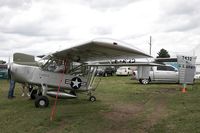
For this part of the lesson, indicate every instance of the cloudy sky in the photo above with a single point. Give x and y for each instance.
(42, 26)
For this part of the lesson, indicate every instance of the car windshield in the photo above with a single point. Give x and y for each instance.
(121, 69)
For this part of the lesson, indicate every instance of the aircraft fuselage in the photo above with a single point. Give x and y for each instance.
(36, 76)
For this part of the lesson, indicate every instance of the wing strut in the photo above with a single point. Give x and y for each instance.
(91, 79)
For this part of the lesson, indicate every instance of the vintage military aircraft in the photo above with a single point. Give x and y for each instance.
(79, 67)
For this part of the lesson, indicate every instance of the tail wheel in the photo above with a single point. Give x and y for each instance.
(92, 98)
(41, 102)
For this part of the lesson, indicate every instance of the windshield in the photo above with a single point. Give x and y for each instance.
(122, 69)
(59, 66)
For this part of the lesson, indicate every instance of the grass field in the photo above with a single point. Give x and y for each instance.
(122, 106)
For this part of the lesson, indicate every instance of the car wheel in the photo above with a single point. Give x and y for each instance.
(144, 81)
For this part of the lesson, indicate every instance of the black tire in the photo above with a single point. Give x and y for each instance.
(33, 94)
(144, 81)
(140, 80)
(92, 98)
(41, 102)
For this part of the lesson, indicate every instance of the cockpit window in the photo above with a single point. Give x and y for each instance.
(60, 66)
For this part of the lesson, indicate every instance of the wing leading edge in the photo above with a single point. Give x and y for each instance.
(97, 50)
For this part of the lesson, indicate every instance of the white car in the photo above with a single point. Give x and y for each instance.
(124, 71)
(197, 76)
(161, 74)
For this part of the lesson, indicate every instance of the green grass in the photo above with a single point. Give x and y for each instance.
(122, 105)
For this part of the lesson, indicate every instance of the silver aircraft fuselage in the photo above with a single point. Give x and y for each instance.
(36, 76)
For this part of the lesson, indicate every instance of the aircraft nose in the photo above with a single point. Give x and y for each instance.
(12, 71)
(17, 72)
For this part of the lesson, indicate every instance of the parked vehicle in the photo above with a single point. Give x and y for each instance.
(3, 71)
(108, 71)
(124, 71)
(167, 74)
(197, 76)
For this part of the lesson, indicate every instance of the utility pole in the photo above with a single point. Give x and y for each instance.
(196, 49)
(150, 45)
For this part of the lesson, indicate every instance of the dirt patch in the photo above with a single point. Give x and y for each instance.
(159, 112)
(122, 113)
(167, 90)
(120, 116)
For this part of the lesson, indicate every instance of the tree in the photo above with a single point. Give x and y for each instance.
(163, 54)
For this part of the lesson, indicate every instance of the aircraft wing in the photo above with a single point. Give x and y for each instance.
(129, 64)
(98, 49)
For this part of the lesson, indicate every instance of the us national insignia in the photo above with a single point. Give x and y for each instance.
(75, 83)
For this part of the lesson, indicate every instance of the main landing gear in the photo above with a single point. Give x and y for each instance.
(39, 94)
(41, 101)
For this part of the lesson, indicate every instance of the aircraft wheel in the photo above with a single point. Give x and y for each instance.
(144, 81)
(33, 94)
(41, 101)
(92, 98)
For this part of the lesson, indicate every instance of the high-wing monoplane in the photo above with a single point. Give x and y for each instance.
(79, 65)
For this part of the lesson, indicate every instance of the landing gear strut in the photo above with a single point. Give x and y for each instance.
(33, 94)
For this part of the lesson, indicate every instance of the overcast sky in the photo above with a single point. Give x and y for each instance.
(42, 26)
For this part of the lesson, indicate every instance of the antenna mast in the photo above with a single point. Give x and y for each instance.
(150, 45)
